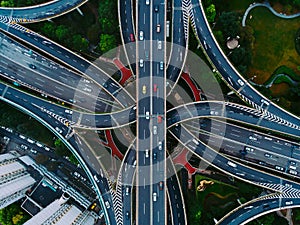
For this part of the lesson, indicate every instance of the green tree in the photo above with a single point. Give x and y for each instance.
(230, 24)
(62, 33)
(79, 42)
(211, 13)
(107, 42)
(48, 29)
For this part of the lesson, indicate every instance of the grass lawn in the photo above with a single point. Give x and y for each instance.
(220, 190)
(274, 43)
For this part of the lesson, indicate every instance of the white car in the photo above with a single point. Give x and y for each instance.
(107, 204)
(147, 153)
(154, 196)
(141, 62)
(68, 111)
(141, 37)
(253, 138)
(147, 115)
(147, 2)
(159, 45)
(289, 203)
(159, 145)
(240, 82)
(58, 130)
(154, 130)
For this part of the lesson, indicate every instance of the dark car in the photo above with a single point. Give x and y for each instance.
(161, 185)
(154, 156)
(32, 66)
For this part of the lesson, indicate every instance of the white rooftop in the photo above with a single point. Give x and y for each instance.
(10, 167)
(15, 185)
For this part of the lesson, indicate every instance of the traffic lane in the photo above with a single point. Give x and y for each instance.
(81, 65)
(234, 112)
(221, 162)
(174, 192)
(250, 211)
(42, 11)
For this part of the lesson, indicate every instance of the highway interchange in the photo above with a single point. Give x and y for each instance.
(147, 176)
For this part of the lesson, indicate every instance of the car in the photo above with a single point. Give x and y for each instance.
(293, 172)
(154, 130)
(33, 151)
(134, 163)
(293, 167)
(158, 28)
(147, 54)
(32, 66)
(155, 87)
(240, 82)
(25, 147)
(141, 62)
(127, 190)
(93, 206)
(195, 141)
(268, 155)
(141, 37)
(231, 164)
(248, 149)
(154, 156)
(156, 8)
(289, 203)
(147, 153)
(252, 138)
(58, 130)
(161, 65)
(159, 145)
(144, 89)
(68, 111)
(107, 204)
(147, 115)
(131, 36)
(264, 102)
(161, 185)
(21, 136)
(87, 89)
(39, 144)
(96, 178)
(86, 81)
(127, 215)
(154, 196)
(279, 168)
(262, 163)
(47, 148)
(30, 141)
(159, 45)
(159, 119)
(147, 2)
(72, 100)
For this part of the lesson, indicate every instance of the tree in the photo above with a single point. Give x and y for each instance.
(62, 33)
(211, 13)
(48, 29)
(79, 42)
(230, 24)
(107, 42)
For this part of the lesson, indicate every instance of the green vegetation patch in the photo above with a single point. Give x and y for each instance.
(13, 215)
(274, 43)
